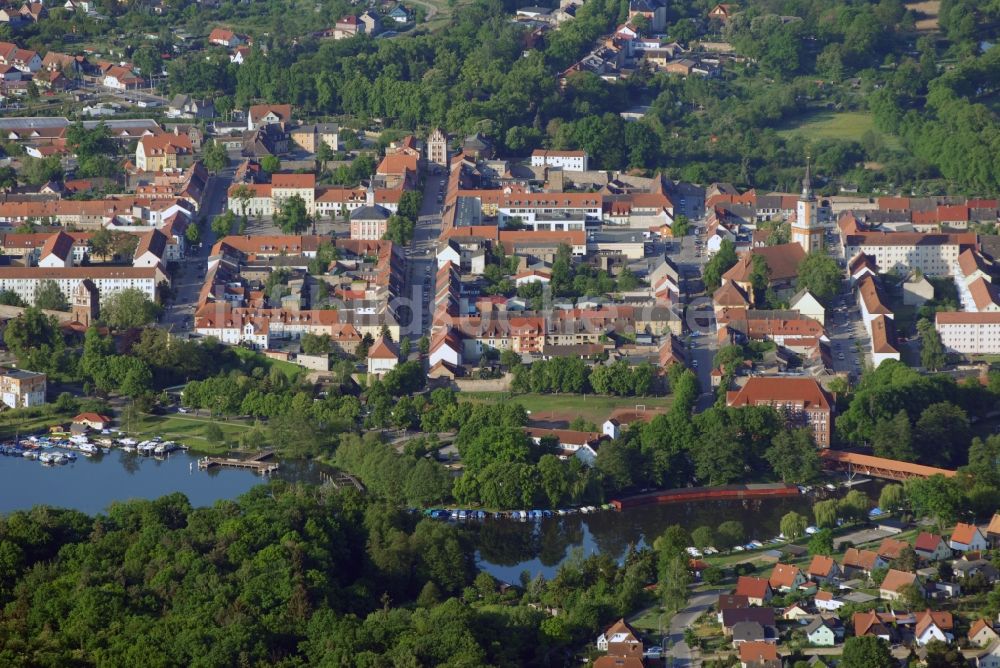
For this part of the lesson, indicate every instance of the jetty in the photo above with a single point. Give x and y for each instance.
(720, 493)
(260, 463)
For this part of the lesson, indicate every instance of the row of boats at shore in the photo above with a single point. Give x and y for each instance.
(50, 450)
(521, 515)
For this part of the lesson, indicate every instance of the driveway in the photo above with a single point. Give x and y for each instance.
(696, 607)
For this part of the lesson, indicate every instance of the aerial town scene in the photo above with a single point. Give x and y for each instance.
(409, 333)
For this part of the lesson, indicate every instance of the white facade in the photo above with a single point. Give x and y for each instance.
(445, 353)
(931, 259)
(932, 632)
(379, 366)
(969, 333)
(25, 282)
(570, 161)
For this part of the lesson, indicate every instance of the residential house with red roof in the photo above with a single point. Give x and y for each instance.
(931, 547)
(933, 625)
(162, 152)
(786, 577)
(982, 633)
(224, 37)
(993, 530)
(823, 569)
(383, 357)
(759, 655)
(757, 590)
(869, 624)
(967, 537)
(894, 582)
(863, 561)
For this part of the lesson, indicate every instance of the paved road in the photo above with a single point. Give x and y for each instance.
(190, 273)
(423, 264)
(696, 607)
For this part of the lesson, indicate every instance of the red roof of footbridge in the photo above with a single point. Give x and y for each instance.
(880, 462)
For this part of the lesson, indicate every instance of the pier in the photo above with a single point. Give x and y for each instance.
(259, 463)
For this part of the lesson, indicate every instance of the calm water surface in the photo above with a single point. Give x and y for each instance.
(91, 484)
(505, 548)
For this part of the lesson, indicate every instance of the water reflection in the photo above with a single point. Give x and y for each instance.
(91, 484)
(506, 548)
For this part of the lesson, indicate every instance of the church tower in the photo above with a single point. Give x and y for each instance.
(806, 230)
(85, 302)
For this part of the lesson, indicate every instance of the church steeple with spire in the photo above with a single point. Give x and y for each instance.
(806, 230)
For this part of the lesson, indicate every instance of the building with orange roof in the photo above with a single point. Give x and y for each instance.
(383, 357)
(894, 582)
(786, 577)
(823, 569)
(758, 591)
(933, 625)
(26, 281)
(932, 253)
(802, 401)
(157, 153)
(890, 548)
(268, 114)
(969, 333)
(620, 640)
(224, 37)
(284, 186)
(57, 251)
(759, 654)
(863, 561)
(966, 538)
(870, 624)
(982, 633)
(931, 547)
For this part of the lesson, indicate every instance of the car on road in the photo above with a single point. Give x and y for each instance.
(840, 357)
(694, 364)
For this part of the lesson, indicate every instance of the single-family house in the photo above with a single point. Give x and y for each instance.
(869, 624)
(931, 547)
(786, 577)
(933, 625)
(895, 581)
(993, 530)
(982, 633)
(730, 602)
(826, 601)
(966, 537)
(860, 561)
(753, 632)
(823, 569)
(757, 590)
(759, 655)
(733, 616)
(224, 37)
(795, 612)
(620, 640)
(891, 548)
(823, 632)
(967, 567)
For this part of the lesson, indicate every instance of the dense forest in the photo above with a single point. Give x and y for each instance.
(284, 576)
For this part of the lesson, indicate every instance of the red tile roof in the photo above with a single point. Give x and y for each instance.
(752, 587)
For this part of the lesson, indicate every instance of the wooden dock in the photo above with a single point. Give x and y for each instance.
(259, 463)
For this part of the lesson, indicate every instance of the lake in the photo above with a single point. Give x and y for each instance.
(506, 548)
(91, 484)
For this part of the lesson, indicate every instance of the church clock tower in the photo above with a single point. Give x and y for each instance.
(806, 230)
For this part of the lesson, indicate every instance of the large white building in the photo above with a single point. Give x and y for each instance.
(570, 161)
(25, 281)
(969, 333)
(550, 212)
(934, 254)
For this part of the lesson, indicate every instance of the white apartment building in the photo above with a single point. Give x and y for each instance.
(284, 186)
(570, 161)
(934, 254)
(550, 212)
(25, 281)
(251, 199)
(969, 333)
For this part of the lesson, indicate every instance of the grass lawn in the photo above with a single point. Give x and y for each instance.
(591, 407)
(289, 369)
(190, 430)
(33, 425)
(825, 124)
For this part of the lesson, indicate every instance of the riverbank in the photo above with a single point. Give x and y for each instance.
(191, 430)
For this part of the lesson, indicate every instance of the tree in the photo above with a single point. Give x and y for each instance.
(11, 298)
(215, 157)
(893, 438)
(324, 154)
(932, 354)
(223, 224)
(243, 193)
(38, 171)
(270, 164)
(213, 433)
(129, 308)
(720, 263)
(820, 275)
(793, 525)
(293, 217)
(936, 496)
(49, 297)
(399, 230)
(793, 455)
(854, 506)
(192, 233)
(703, 537)
(826, 513)
(866, 652)
(730, 534)
(821, 543)
(315, 344)
(943, 434)
(673, 584)
(404, 348)
(892, 498)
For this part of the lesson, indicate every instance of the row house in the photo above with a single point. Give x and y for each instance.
(878, 319)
